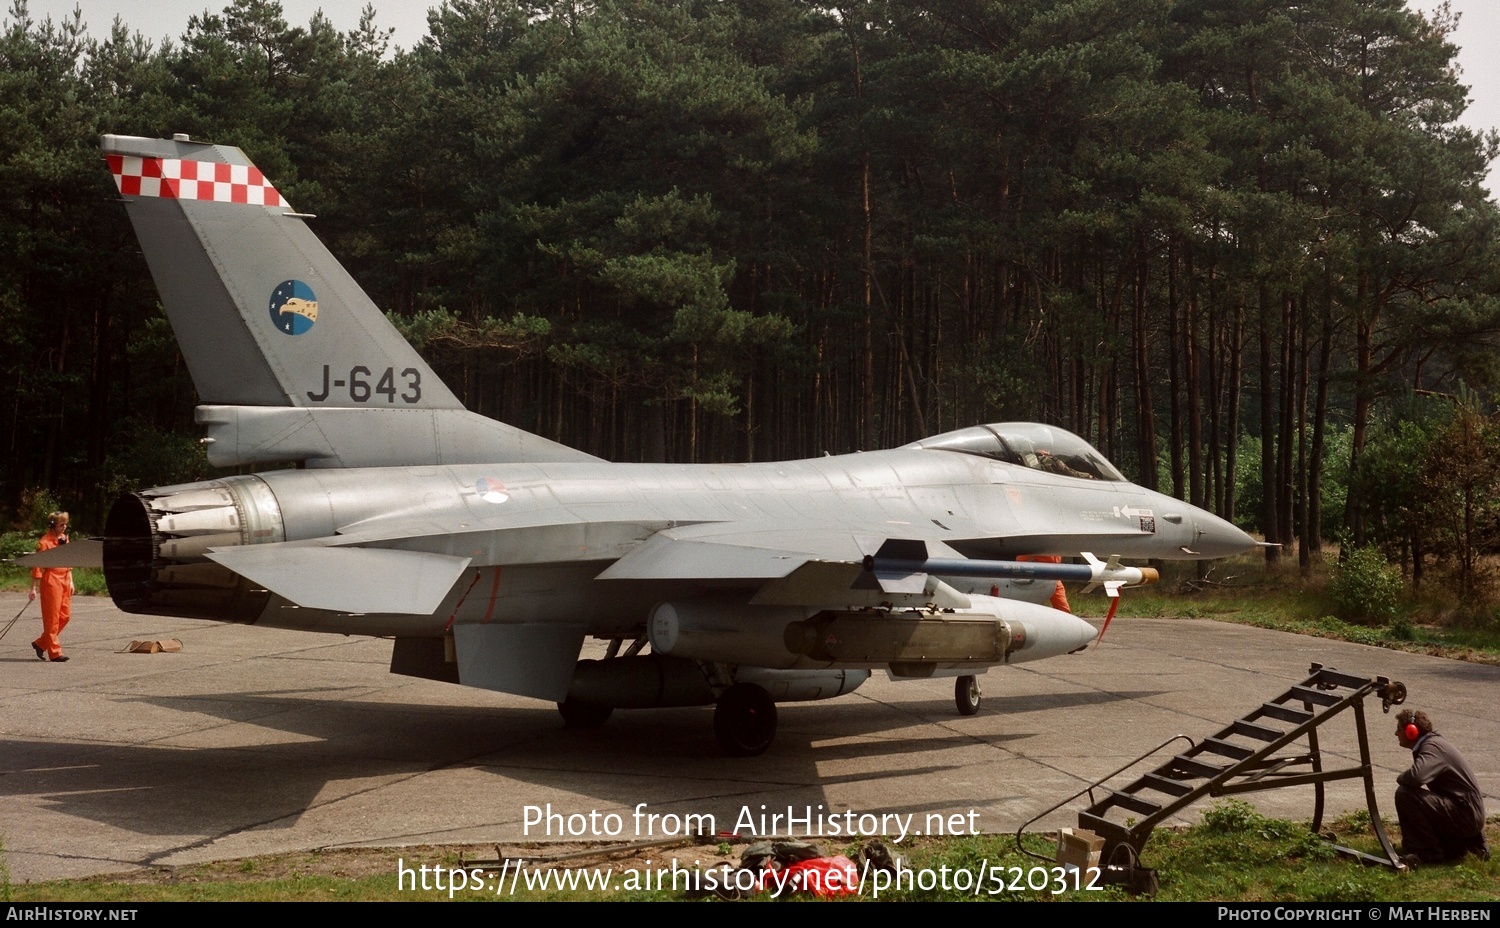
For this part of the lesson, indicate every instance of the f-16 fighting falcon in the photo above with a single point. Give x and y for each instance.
(490, 554)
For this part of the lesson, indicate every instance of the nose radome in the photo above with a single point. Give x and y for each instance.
(1216, 537)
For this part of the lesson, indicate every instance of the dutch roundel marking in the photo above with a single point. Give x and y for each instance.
(294, 307)
(491, 490)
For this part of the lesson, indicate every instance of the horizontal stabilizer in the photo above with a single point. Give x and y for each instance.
(86, 552)
(360, 580)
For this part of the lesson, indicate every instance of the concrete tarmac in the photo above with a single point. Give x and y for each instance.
(251, 741)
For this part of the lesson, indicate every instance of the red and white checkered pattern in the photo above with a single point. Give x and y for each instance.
(175, 179)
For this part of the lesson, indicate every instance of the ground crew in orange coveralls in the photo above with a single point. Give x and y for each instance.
(55, 585)
(1059, 595)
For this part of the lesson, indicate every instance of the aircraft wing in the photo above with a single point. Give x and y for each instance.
(730, 552)
(797, 566)
(370, 572)
(738, 550)
(636, 550)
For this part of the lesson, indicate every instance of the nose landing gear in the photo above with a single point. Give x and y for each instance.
(966, 694)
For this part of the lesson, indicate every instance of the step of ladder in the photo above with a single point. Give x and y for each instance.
(1225, 749)
(1164, 785)
(1258, 732)
(1285, 713)
(1193, 768)
(1314, 696)
(1132, 802)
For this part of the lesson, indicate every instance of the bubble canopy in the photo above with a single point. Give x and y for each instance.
(1028, 444)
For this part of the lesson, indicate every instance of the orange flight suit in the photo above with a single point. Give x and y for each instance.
(1059, 595)
(57, 599)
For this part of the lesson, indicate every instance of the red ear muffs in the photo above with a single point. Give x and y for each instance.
(1411, 732)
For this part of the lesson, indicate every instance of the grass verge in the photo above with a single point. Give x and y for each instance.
(1285, 600)
(1235, 855)
(87, 581)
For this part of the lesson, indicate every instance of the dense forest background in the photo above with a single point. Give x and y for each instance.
(1243, 246)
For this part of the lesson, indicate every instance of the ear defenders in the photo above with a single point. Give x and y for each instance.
(1411, 732)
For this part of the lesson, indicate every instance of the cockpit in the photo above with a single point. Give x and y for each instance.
(1028, 444)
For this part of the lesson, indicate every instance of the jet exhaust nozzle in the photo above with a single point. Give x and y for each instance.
(156, 543)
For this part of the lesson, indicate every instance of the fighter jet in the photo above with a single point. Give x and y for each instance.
(490, 554)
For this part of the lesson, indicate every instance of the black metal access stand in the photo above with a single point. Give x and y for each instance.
(1243, 758)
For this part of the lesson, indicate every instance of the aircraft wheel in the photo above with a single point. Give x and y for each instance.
(966, 694)
(579, 714)
(745, 720)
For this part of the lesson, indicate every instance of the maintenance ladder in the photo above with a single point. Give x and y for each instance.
(1244, 758)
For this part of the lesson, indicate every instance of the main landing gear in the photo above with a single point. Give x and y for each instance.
(744, 712)
(745, 720)
(966, 694)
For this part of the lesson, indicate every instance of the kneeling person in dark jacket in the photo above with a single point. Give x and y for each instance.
(1438, 800)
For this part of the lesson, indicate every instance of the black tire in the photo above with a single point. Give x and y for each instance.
(578, 714)
(966, 694)
(745, 720)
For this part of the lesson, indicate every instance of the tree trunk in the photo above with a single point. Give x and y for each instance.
(1268, 472)
(1145, 411)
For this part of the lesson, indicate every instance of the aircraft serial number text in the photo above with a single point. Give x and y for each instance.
(363, 385)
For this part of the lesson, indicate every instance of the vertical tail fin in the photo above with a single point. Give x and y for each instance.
(259, 306)
(289, 355)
